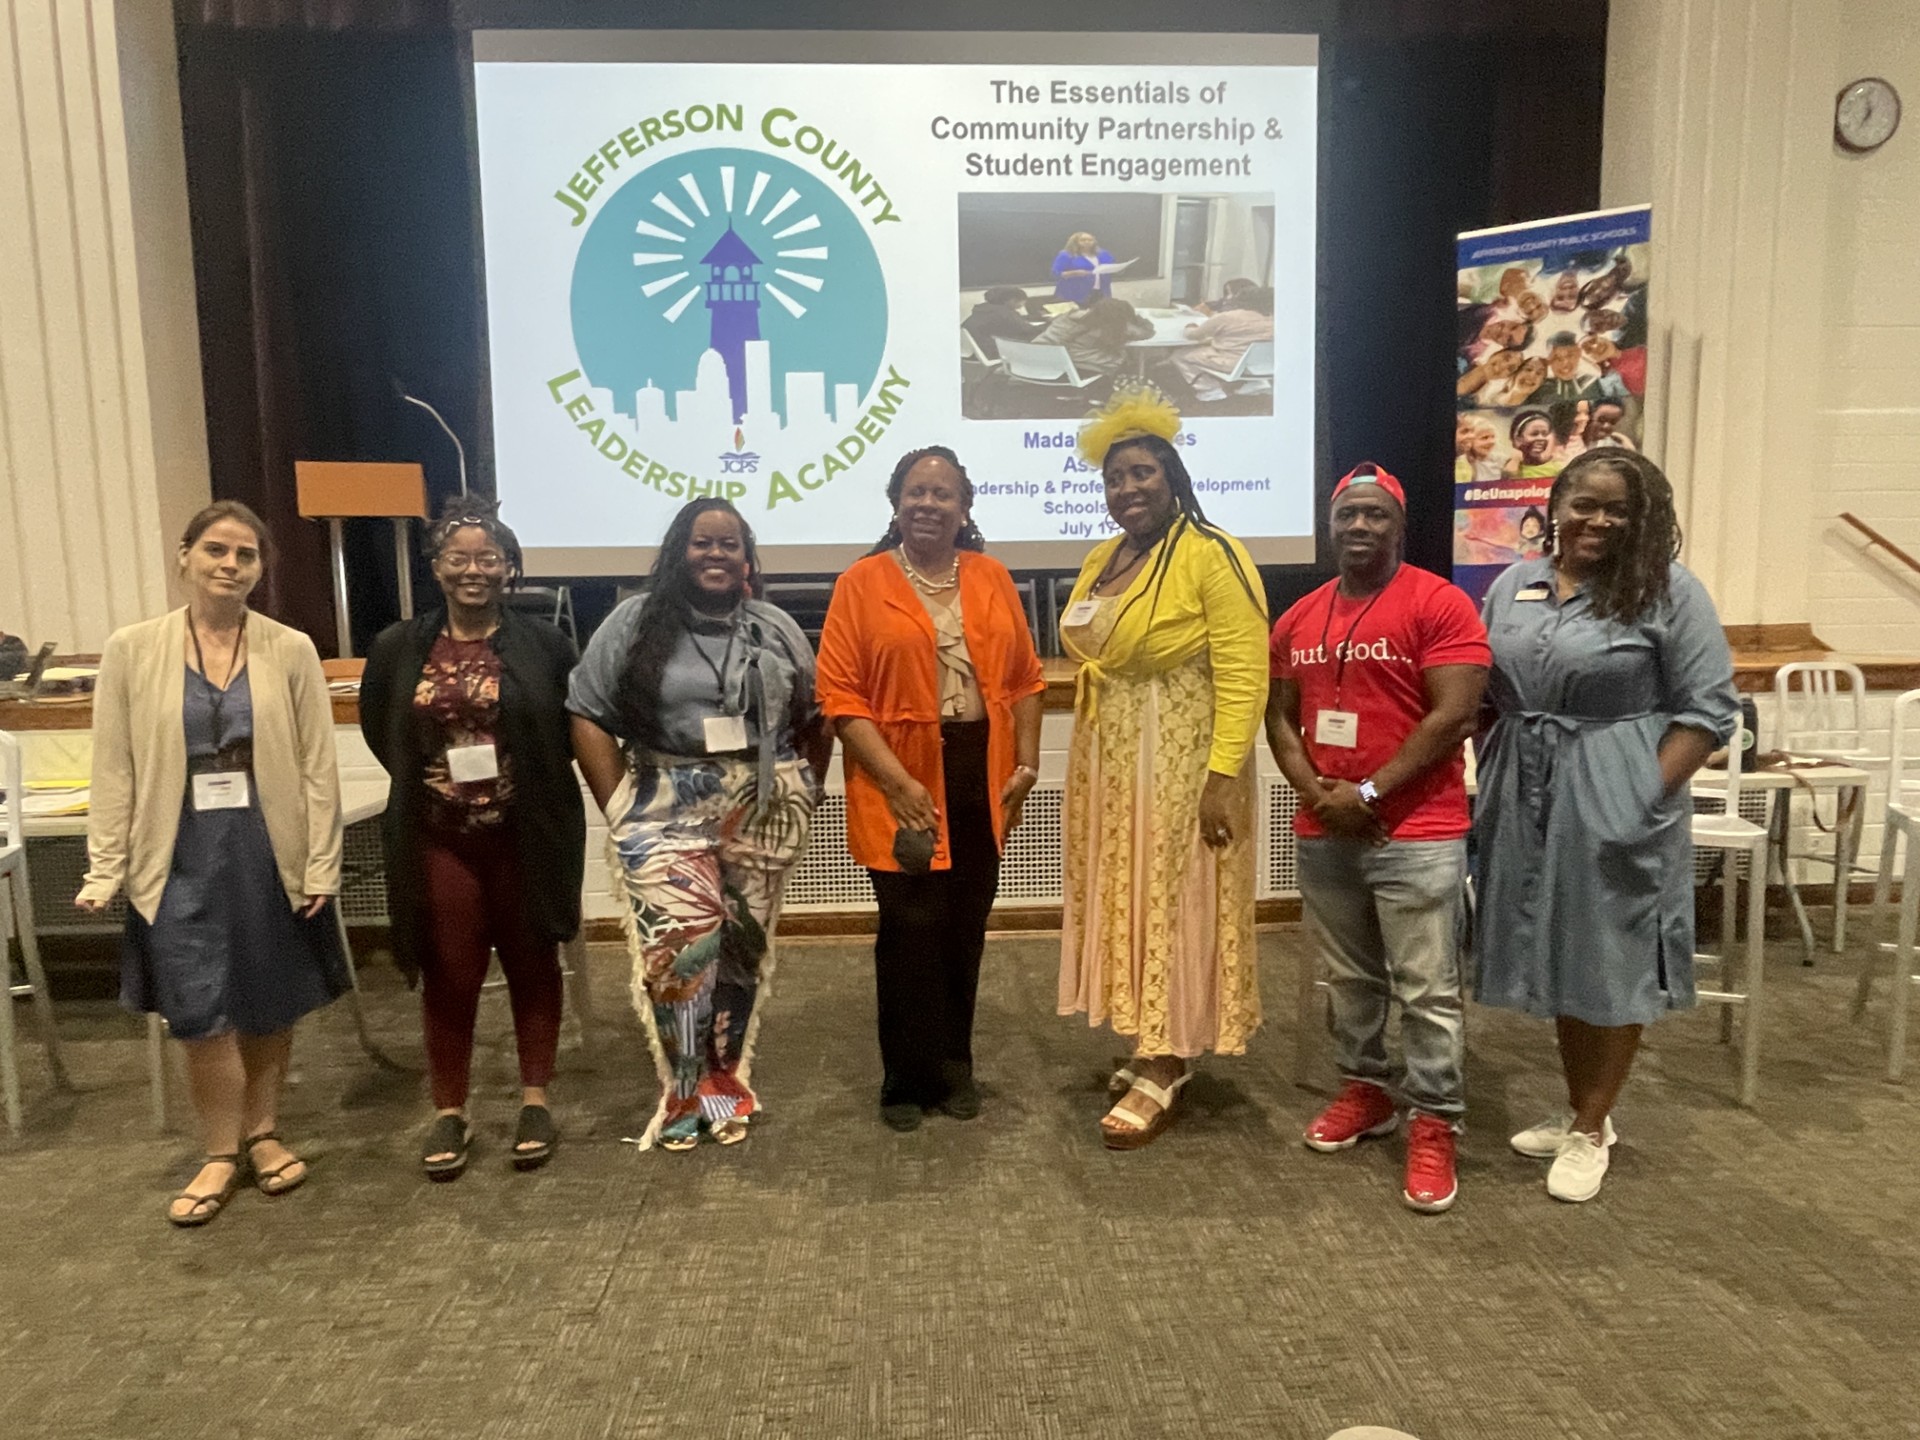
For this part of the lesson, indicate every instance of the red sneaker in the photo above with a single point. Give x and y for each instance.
(1430, 1187)
(1359, 1110)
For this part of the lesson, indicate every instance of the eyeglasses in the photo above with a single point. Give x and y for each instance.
(487, 564)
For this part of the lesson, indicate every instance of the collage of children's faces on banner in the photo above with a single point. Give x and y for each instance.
(1552, 362)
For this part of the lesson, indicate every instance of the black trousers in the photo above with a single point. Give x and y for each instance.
(933, 927)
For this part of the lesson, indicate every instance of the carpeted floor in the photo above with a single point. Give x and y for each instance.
(1743, 1274)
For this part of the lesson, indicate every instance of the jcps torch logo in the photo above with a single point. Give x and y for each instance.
(731, 306)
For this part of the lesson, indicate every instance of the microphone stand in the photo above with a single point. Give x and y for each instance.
(459, 449)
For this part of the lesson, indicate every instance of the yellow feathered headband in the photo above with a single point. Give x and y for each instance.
(1142, 410)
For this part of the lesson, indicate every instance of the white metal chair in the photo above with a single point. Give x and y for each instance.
(1047, 366)
(1902, 822)
(972, 353)
(1732, 835)
(16, 921)
(1251, 374)
(1820, 707)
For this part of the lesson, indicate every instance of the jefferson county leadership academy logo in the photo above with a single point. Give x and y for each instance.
(731, 310)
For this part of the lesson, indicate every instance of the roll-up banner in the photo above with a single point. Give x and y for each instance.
(1552, 362)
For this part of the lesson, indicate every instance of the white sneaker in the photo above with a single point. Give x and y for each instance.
(1542, 1142)
(1578, 1169)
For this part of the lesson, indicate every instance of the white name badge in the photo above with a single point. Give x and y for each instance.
(725, 732)
(468, 763)
(220, 790)
(1532, 592)
(1080, 613)
(1338, 728)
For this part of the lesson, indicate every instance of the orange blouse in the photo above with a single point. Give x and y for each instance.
(878, 662)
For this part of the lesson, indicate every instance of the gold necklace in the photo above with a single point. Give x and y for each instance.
(921, 582)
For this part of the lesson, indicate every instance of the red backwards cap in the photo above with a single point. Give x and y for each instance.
(1368, 473)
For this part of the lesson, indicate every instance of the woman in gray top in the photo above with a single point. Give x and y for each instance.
(1612, 683)
(1096, 338)
(695, 725)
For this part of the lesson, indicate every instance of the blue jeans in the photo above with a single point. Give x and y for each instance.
(1389, 920)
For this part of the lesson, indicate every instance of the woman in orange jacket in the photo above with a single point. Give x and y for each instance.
(928, 673)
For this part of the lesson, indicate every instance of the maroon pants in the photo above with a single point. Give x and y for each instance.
(473, 908)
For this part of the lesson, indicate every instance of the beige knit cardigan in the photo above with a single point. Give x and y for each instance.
(140, 760)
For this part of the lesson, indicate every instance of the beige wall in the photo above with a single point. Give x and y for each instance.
(1786, 310)
(1870, 338)
(102, 431)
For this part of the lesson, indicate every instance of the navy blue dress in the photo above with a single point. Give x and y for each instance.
(226, 951)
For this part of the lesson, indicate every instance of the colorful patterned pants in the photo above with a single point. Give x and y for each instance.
(703, 875)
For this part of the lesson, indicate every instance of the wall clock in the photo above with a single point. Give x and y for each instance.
(1865, 115)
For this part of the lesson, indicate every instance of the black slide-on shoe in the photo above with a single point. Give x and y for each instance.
(963, 1100)
(902, 1115)
(450, 1136)
(536, 1132)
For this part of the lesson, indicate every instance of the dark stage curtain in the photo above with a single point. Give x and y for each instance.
(313, 14)
(334, 252)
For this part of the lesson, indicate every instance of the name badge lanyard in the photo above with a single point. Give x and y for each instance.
(218, 701)
(720, 670)
(476, 761)
(1340, 670)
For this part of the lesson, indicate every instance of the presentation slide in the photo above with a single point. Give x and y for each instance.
(765, 266)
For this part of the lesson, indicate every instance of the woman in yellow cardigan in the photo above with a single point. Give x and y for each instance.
(1168, 621)
(216, 807)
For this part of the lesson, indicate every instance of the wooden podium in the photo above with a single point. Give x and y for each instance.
(334, 490)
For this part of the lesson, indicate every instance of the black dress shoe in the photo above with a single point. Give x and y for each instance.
(902, 1115)
(963, 1100)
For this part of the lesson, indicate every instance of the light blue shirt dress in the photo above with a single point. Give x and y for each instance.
(1583, 867)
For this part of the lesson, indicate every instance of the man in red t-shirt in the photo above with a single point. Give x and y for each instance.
(1376, 683)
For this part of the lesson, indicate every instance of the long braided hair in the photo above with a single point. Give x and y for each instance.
(969, 537)
(461, 512)
(667, 610)
(1635, 579)
(1188, 515)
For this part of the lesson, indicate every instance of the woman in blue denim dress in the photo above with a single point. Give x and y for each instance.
(1612, 683)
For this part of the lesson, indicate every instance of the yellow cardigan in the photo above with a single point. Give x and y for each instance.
(1202, 606)
(140, 760)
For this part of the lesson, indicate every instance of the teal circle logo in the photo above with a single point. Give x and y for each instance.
(729, 298)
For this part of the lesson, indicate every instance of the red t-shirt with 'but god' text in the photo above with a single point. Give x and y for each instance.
(1367, 656)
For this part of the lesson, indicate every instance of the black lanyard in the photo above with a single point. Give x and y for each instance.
(218, 700)
(720, 670)
(1340, 670)
(1108, 574)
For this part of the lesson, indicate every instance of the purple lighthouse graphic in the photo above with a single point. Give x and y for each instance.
(734, 298)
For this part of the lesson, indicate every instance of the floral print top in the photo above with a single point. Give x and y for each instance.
(457, 702)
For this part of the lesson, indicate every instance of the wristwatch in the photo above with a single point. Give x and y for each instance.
(1369, 795)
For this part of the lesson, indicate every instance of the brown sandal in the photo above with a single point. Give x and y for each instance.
(1141, 1133)
(205, 1207)
(265, 1180)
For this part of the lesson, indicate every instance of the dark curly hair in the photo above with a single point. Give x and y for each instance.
(667, 609)
(969, 537)
(476, 512)
(1635, 578)
(1187, 516)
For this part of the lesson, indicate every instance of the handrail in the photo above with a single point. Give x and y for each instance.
(1876, 538)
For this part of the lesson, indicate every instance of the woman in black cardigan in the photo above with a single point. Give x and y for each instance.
(485, 830)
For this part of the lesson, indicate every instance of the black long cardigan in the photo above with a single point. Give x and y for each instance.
(548, 818)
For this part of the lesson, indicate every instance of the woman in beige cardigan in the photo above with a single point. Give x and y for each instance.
(216, 805)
